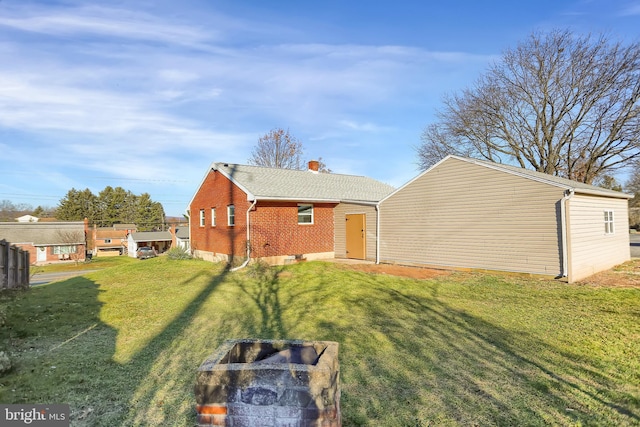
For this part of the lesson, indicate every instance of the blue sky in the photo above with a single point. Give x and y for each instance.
(146, 94)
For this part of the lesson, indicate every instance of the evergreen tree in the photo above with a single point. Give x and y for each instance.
(77, 205)
(150, 214)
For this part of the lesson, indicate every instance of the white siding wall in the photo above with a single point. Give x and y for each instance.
(591, 249)
(340, 229)
(465, 215)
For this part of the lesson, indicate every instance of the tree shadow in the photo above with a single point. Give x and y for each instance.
(439, 363)
(48, 338)
(477, 372)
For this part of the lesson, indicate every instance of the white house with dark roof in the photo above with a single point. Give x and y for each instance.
(158, 240)
(467, 213)
(279, 215)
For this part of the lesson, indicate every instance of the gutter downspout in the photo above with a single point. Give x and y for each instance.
(565, 232)
(377, 233)
(188, 215)
(246, 262)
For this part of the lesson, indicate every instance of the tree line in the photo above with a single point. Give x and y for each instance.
(111, 206)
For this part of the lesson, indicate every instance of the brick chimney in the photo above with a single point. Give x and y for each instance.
(313, 165)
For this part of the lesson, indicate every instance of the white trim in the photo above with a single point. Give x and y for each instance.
(312, 215)
(213, 217)
(609, 222)
(564, 227)
(229, 216)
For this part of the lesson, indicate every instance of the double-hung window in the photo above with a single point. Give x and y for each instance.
(213, 217)
(201, 217)
(305, 214)
(231, 215)
(608, 222)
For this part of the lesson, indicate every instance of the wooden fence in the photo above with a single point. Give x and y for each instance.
(14, 266)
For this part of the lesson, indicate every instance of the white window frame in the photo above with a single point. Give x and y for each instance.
(202, 219)
(231, 215)
(65, 250)
(213, 217)
(305, 214)
(609, 223)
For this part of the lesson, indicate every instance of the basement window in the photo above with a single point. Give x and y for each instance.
(231, 215)
(608, 222)
(305, 214)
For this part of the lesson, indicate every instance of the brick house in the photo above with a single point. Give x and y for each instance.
(279, 215)
(111, 241)
(48, 242)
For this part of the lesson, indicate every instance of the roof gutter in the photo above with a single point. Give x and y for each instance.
(246, 261)
(617, 195)
(292, 199)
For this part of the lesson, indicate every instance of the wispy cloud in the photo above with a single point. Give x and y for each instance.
(104, 21)
(632, 9)
(128, 93)
(364, 127)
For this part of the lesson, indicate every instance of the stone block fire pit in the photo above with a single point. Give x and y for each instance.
(270, 383)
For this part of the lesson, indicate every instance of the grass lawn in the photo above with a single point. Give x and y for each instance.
(122, 345)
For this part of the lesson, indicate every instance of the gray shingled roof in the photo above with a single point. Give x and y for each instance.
(182, 233)
(551, 179)
(151, 236)
(43, 233)
(287, 184)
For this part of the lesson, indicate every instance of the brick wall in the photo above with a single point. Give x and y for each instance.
(273, 225)
(218, 192)
(275, 230)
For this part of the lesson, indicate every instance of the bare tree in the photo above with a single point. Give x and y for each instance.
(558, 103)
(71, 239)
(278, 149)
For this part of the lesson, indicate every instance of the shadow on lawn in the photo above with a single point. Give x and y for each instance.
(48, 337)
(448, 366)
(420, 362)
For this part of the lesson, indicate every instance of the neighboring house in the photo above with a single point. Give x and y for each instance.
(111, 241)
(27, 218)
(48, 241)
(158, 240)
(181, 237)
(481, 215)
(279, 215)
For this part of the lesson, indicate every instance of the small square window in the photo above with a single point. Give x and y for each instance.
(608, 222)
(201, 217)
(305, 214)
(231, 215)
(213, 217)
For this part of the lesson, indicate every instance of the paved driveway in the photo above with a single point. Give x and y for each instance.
(635, 245)
(42, 278)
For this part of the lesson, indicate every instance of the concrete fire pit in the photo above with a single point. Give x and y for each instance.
(270, 383)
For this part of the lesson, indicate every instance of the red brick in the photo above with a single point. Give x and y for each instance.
(273, 225)
(211, 409)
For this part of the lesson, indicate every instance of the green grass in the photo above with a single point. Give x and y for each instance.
(94, 264)
(122, 345)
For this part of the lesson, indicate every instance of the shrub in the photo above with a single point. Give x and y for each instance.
(178, 253)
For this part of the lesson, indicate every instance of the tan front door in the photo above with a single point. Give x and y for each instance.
(356, 236)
